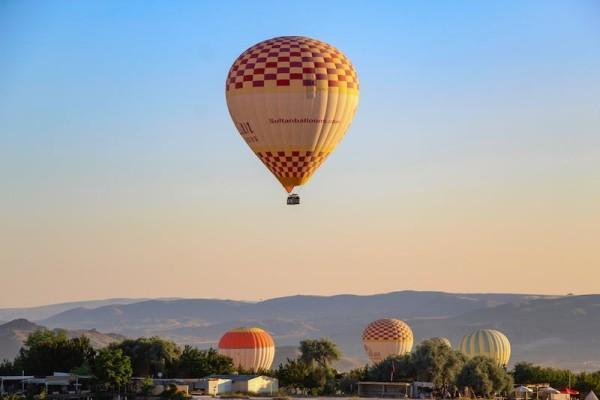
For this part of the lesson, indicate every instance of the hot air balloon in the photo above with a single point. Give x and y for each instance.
(387, 337)
(487, 342)
(292, 99)
(250, 348)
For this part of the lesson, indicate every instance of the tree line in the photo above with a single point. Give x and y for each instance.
(432, 361)
(312, 372)
(450, 371)
(525, 373)
(112, 367)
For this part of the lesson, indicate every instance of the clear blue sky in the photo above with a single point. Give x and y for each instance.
(474, 155)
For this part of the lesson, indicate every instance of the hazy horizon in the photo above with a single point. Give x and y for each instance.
(473, 163)
(171, 298)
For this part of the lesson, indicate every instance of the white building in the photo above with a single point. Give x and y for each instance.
(214, 386)
(218, 384)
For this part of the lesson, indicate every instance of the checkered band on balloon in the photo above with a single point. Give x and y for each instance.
(387, 329)
(292, 61)
(292, 164)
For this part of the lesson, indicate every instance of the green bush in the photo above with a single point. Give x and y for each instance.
(172, 393)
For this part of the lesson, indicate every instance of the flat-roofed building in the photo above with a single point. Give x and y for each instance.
(8, 383)
(384, 389)
(213, 386)
(251, 383)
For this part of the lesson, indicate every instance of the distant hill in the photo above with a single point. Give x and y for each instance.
(12, 336)
(201, 322)
(41, 312)
(203, 313)
(559, 331)
(14, 333)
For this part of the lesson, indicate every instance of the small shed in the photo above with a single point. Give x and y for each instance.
(591, 396)
(256, 384)
(12, 381)
(260, 384)
(213, 386)
(384, 389)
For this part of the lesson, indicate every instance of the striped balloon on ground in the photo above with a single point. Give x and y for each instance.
(487, 342)
(250, 348)
(387, 337)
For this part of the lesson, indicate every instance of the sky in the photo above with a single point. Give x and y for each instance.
(472, 165)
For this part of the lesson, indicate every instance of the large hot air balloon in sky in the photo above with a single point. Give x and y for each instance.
(292, 99)
(251, 348)
(487, 342)
(387, 337)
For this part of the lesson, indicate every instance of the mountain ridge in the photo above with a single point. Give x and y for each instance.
(551, 330)
(45, 311)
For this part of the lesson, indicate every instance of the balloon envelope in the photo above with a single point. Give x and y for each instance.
(292, 98)
(387, 337)
(250, 348)
(487, 342)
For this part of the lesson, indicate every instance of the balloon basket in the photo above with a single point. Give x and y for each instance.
(293, 199)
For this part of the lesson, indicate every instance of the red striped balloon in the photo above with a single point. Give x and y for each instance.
(250, 348)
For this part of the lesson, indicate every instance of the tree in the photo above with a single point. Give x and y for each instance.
(586, 381)
(83, 369)
(317, 356)
(435, 362)
(45, 352)
(525, 373)
(393, 368)
(293, 374)
(316, 380)
(264, 372)
(349, 381)
(146, 386)
(150, 356)
(7, 368)
(112, 368)
(11, 396)
(194, 363)
(171, 393)
(484, 377)
(322, 351)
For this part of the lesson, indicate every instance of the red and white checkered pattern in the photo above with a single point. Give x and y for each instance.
(387, 329)
(294, 61)
(293, 164)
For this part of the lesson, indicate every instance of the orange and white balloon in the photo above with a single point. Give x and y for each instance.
(387, 337)
(292, 99)
(250, 348)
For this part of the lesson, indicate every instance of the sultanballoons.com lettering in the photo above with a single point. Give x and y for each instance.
(303, 121)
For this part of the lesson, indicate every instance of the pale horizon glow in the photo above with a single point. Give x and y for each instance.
(473, 163)
(258, 300)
